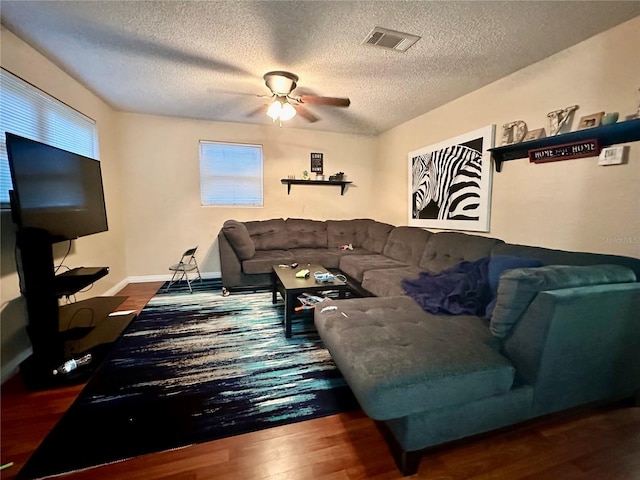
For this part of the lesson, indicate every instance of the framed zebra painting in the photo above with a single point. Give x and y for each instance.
(450, 183)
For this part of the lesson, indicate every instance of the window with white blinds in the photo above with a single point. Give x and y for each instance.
(31, 113)
(231, 174)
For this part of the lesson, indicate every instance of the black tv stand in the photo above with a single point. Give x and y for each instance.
(76, 279)
(58, 333)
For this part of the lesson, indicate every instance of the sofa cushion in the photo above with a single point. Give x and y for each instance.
(406, 244)
(501, 263)
(355, 265)
(345, 232)
(497, 266)
(268, 234)
(518, 288)
(239, 239)
(305, 233)
(347, 252)
(550, 256)
(388, 282)
(264, 260)
(328, 258)
(399, 360)
(376, 236)
(447, 249)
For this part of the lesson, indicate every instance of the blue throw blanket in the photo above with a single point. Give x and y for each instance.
(461, 290)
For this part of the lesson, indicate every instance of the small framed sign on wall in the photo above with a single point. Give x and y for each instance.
(316, 162)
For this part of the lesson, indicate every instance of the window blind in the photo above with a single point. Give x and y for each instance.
(32, 113)
(231, 174)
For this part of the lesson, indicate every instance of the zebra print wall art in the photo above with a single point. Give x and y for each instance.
(450, 183)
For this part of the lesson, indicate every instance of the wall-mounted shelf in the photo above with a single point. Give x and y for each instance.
(288, 183)
(621, 132)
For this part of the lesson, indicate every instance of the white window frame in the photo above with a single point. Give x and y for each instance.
(27, 111)
(231, 175)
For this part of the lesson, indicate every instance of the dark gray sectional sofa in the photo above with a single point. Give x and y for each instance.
(563, 328)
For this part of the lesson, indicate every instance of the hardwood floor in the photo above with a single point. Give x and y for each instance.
(588, 444)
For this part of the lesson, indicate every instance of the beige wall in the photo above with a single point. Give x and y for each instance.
(572, 204)
(161, 189)
(103, 249)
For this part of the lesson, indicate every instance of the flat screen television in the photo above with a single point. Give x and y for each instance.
(55, 190)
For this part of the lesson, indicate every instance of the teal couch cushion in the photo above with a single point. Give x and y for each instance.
(550, 256)
(400, 360)
(500, 264)
(518, 288)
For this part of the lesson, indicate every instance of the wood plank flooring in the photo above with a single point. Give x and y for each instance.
(587, 444)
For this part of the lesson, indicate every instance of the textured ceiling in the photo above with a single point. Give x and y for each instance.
(206, 59)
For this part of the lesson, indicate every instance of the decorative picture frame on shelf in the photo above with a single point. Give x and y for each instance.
(535, 134)
(317, 162)
(590, 121)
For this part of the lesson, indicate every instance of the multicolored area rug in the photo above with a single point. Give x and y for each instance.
(193, 368)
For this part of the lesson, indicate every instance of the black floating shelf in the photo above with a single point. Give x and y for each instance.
(621, 132)
(288, 183)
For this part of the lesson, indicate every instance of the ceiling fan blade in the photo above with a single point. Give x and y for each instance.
(317, 100)
(256, 111)
(306, 114)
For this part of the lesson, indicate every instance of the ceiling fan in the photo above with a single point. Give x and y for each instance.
(285, 106)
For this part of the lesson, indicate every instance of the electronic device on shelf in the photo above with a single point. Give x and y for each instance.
(76, 279)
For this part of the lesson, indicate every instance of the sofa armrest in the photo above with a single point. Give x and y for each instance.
(579, 345)
(230, 265)
(239, 239)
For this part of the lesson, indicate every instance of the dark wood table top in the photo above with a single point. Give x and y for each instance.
(289, 281)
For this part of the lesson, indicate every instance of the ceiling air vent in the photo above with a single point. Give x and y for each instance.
(390, 39)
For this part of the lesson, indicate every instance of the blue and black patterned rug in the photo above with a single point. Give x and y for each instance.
(193, 368)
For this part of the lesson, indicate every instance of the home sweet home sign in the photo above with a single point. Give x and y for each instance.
(567, 151)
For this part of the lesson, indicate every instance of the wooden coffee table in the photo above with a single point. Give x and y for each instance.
(290, 287)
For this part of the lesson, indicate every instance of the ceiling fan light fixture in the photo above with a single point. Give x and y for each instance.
(275, 109)
(284, 106)
(280, 82)
(281, 110)
(287, 112)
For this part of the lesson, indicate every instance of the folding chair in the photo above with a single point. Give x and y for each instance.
(186, 265)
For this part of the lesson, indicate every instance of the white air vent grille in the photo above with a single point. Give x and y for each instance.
(390, 39)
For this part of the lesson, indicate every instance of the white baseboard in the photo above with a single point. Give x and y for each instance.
(116, 288)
